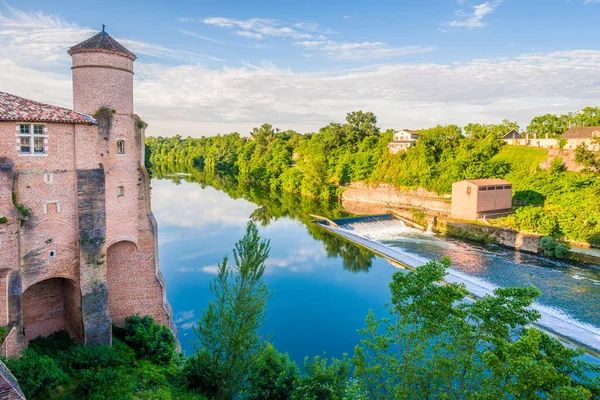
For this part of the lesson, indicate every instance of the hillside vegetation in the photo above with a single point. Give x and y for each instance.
(555, 202)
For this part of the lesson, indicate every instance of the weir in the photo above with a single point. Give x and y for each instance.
(569, 293)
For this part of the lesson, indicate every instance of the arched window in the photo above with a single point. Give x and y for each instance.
(120, 146)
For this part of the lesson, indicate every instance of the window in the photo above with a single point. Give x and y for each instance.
(32, 139)
(468, 189)
(120, 146)
(48, 178)
(120, 191)
(52, 253)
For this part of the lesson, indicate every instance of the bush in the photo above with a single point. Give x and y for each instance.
(202, 374)
(322, 381)
(148, 339)
(553, 248)
(272, 376)
(35, 373)
(557, 166)
(3, 220)
(105, 383)
(88, 357)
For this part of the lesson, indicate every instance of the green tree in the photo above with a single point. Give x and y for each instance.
(436, 344)
(149, 340)
(272, 376)
(227, 333)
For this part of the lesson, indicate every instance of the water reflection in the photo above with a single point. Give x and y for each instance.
(317, 305)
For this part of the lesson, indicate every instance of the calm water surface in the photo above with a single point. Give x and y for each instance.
(324, 286)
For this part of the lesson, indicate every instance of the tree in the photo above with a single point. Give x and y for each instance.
(437, 344)
(227, 333)
(272, 376)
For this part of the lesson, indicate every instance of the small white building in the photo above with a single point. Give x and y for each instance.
(402, 140)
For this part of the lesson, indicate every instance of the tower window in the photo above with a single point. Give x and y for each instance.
(52, 253)
(31, 140)
(120, 191)
(120, 146)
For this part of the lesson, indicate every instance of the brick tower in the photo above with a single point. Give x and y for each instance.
(84, 255)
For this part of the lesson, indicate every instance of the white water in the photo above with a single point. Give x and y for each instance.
(386, 236)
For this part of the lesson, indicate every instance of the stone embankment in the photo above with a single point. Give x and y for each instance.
(391, 196)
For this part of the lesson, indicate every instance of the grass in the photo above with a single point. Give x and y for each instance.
(521, 158)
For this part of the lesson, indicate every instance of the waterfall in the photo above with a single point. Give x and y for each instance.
(429, 228)
(380, 229)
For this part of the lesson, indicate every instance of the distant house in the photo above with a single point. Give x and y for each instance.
(587, 135)
(513, 134)
(403, 140)
(481, 198)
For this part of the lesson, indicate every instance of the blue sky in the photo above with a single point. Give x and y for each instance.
(215, 67)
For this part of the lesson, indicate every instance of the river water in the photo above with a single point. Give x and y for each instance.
(324, 285)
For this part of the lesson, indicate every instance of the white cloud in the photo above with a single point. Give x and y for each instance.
(591, 1)
(197, 100)
(475, 18)
(251, 35)
(359, 51)
(259, 28)
(183, 316)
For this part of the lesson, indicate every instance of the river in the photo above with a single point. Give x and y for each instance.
(324, 285)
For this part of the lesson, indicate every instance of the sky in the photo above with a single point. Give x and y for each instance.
(214, 67)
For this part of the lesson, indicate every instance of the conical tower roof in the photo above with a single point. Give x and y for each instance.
(104, 42)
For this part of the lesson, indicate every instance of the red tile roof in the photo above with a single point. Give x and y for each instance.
(15, 108)
(581, 132)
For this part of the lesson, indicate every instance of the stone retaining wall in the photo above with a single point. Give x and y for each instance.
(490, 234)
(392, 196)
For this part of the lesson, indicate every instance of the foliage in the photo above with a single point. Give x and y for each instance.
(315, 164)
(323, 380)
(3, 220)
(56, 368)
(552, 248)
(150, 340)
(4, 331)
(36, 373)
(272, 376)
(227, 332)
(588, 158)
(437, 344)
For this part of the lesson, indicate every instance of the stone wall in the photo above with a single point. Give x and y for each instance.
(490, 234)
(392, 196)
(92, 236)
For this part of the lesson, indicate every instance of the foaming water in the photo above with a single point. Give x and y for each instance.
(570, 293)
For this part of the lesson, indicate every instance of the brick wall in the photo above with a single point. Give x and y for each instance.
(45, 307)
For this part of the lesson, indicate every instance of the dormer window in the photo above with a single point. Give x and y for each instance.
(32, 139)
(120, 146)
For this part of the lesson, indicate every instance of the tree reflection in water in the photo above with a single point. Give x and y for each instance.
(275, 205)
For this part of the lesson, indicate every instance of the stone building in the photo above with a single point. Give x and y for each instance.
(78, 240)
(570, 139)
(402, 140)
(481, 198)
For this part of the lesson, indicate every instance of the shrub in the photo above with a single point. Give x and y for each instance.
(553, 248)
(35, 373)
(202, 374)
(88, 357)
(3, 220)
(272, 376)
(106, 383)
(557, 166)
(148, 339)
(322, 381)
